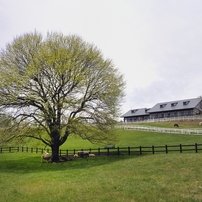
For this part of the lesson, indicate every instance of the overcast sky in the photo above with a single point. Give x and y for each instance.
(155, 44)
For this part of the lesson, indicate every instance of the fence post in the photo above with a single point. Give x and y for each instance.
(107, 151)
(67, 152)
(128, 150)
(196, 147)
(9, 149)
(152, 149)
(1, 150)
(166, 148)
(180, 148)
(118, 151)
(140, 150)
(98, 151)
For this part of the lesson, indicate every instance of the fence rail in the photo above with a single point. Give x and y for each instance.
(161, 130)
(130, 150)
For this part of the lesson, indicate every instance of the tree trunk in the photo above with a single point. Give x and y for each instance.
(55, 143)
(55, 152)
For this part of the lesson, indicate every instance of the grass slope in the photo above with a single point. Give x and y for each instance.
(141, 138)
(148, 178)
(161, 177)
(170, 124)
(133, 138)
(128, 138)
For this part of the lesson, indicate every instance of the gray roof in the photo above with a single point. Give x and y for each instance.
(175, 105)
(136, 112)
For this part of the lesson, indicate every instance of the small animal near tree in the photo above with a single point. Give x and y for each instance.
(58, 85)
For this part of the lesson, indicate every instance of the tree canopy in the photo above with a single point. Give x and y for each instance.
(59, 85)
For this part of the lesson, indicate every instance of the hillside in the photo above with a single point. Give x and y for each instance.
(194, 124)
(132, 137)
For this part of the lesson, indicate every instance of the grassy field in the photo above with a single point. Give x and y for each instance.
(182, 124)
(140, 138)
(129, 138)
(173, 177)
(161, 177)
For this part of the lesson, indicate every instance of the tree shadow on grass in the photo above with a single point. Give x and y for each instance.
(23, 164)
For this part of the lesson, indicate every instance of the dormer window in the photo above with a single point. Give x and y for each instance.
(173, 104)
(146, 110)
(162, 106)
(133, 111)
(186, 102)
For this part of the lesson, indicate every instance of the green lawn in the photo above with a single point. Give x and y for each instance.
(128, 138)
(140, 138)
(172, 177)
(170, 124)
(160, 177)
(137, 138)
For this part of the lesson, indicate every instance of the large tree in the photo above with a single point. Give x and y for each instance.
(56, 86)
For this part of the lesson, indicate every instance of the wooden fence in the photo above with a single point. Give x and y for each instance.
(161, 130)
(136, 150)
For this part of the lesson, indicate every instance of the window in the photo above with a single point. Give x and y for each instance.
(162, 106)
(133, 111)
(146, 110)
(173, 104)
(186, 102)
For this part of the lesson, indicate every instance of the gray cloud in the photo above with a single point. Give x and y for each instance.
(156, 44)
